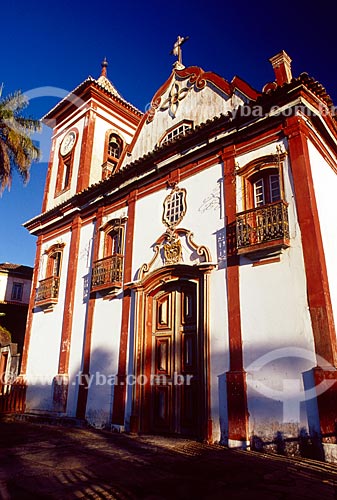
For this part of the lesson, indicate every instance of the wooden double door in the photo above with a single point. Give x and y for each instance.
(172, 397)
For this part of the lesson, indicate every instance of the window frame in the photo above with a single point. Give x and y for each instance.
(51, 253)
(169, 210)
(261, 168)
(110, 161)
(14, 295)
(117, 226)
(165, 139)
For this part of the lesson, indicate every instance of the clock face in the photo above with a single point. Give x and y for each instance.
(68, 143)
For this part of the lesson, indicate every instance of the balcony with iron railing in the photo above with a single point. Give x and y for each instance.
(107, 273)
(262, 230)
(48, 291)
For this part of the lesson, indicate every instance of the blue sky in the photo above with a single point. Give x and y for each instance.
(48, 48)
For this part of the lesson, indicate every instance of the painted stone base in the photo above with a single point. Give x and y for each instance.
(330, 452)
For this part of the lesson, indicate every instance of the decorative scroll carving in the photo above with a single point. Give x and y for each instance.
(201, 250)
(176, 94)
(196, 78)
(145, 268)
(168, 250)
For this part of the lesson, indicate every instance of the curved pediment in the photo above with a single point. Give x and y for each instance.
(175, 247)
(190, 95)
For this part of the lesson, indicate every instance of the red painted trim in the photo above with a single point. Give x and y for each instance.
(200, 77)
(31, 306)
(318, 292)
(327, 403)
(313, 252)
(48, 179)
(90, 90)
(84, 167)
(69, 296)
(83, 388)
(267, 261)
(120, 390)
(235, 377)
(244, 88)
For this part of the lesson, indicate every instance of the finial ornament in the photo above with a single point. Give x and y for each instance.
(176, 51)
(104, 65)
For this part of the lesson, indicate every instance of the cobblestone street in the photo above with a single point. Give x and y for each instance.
(53, 462)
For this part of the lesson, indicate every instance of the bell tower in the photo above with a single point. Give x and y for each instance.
(92, 127)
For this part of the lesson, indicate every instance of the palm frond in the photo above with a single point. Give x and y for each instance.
(15, 102)
(17, 149)
(29, 124)
(5, 167)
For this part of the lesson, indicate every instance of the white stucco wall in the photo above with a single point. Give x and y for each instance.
(79, 125)
(45, 340)
(3, 285)
(325, 185)
(107, 119)
(104, 359)
(81, 300)
(105, 338)
(274, 316)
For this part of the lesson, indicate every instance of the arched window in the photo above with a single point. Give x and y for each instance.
(66, 159)
(54, 264)
(107, 272)
(177, 131)
(112, 153)
(48, 290)
(262, 181)
(262, 223)
(115, 146)
(113, 244)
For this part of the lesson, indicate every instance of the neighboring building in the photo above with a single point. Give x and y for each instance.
(185, 276)
(15, 288)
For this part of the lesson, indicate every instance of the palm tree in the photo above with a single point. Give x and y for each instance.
(17, 149)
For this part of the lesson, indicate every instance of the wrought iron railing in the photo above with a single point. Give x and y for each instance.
(107, 272)
(48, 289)
(262, 225)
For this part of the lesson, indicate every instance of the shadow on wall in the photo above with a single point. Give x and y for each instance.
(301, 445)
(48, 394)
(283, 414)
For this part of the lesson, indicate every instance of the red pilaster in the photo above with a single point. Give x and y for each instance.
(70, 295)
(83, 180)
(120, 389)
(313, 251)
(61, 380)
(83, 388)
(315, 267)
(236, 376)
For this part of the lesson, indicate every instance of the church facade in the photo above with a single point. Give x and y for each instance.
(184, 280)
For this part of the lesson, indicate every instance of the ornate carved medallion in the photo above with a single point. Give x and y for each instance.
(172, 251)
